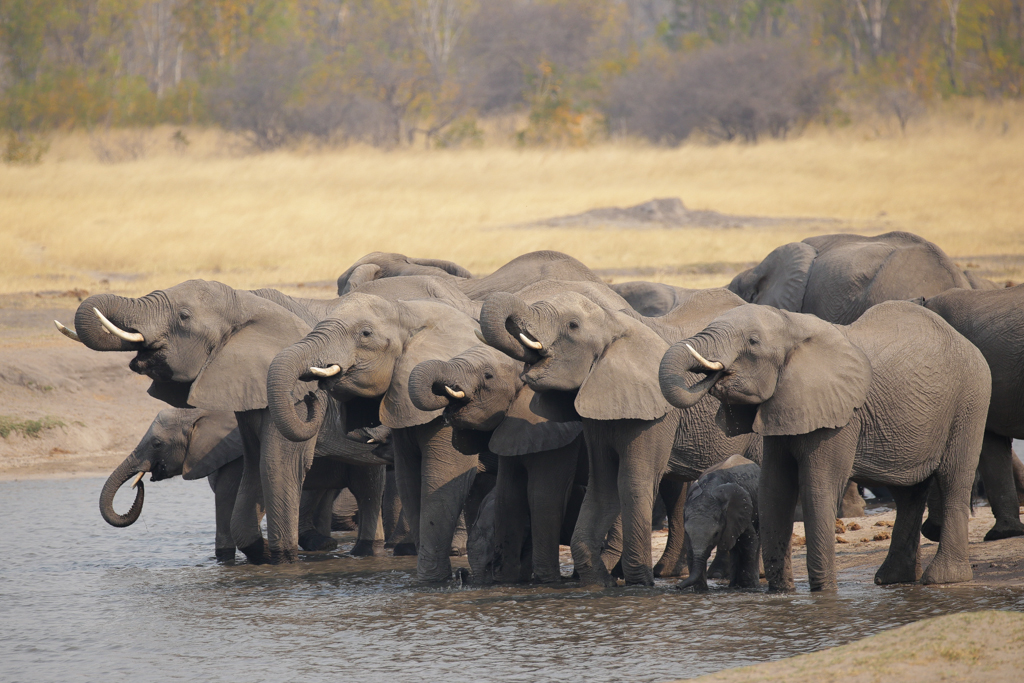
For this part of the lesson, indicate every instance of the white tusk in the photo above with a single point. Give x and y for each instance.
(137, 479)
(708, 365)
(329, 371)
(67, 332)
(532, 343)
(454, 394)
(372, 441)
(480, 336)
(117, 331)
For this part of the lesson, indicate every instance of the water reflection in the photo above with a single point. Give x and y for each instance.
(80, 600)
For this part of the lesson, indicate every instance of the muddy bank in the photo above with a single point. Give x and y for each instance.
(976, 646)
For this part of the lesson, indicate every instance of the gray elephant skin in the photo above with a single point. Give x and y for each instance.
(607, 360)
(721, 512)
(898, 398)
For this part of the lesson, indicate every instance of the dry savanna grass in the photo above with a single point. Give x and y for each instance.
(302, 216)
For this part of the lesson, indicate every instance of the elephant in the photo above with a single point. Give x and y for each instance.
(838, 277)
(366, 351)
(993, 320)
(605, 361)
(652, 299)
(384, 265)
(188, 442)
(480, 391)
(898, 398)
(206, 345)
(721, 511)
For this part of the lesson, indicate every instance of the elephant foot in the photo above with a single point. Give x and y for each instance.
(314, 541)
(783, 585)
(594, 578)
(258, 552)
(284, 555)
(343, 523)
(404, 549)
(665, 571)
(932, 531)
(368, 548)
(892, 572)
(824, 585)
(462, 577)
(644, 577)
(718, 570)
(1007, 528)
(941, 571)
(225, 554)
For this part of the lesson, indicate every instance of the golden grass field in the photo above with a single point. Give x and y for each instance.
(303, 216)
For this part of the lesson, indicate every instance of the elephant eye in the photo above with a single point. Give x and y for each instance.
(488, 375)
(754, 341)
(574, 325)
(184, 315)
(157, 443)
(367, 332)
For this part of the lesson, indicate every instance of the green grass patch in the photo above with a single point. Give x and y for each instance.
(30, 428)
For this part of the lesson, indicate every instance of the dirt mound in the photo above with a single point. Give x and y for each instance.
(667, 212)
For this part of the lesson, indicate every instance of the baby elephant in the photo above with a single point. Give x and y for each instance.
(721, 510)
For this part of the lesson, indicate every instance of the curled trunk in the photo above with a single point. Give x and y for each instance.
(117, 478)
(121, 311)
(502, 319)
(678, 366)
(427, 384)
(297, 420)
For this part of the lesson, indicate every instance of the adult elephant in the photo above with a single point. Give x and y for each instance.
(652, 299)
(380, 264)
(366, 351)
(898, 398)
(993, 320)
(608, 359)
(206, 345)
(193, 444)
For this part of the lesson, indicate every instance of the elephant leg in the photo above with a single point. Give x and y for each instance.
(283, 467)
(391, 508)
(721, 566)
(460, 539)
(673, 492)
(447, 476)
(932, 527)
(778, 490)
(903, 562)
(951, 563)
(408, 478)
(511, 517)
(598, 511)
(312, 506)
(745, 568)
(249, 507)
(853, 503)
(366, 482)
(550, 483)
(611, 550)
(229, 477)
(825, 468)
(996, 468)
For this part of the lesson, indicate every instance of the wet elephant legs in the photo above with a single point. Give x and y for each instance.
(249, 509)
(225, 489)
(673, 492)
(366, 482)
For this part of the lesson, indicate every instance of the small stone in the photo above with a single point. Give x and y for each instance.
(841, 539)
(865, 540)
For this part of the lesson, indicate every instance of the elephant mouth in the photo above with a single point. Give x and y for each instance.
(152, 363)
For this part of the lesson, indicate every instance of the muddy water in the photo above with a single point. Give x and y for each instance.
(83, 601)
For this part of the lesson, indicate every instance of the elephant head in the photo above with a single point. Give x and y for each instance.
(189, 442)
(775, 372)
(779, 280)
(715, 517)
(383, 265)
(481, 390)
(571, 344)
(204, 344)
(366, 350)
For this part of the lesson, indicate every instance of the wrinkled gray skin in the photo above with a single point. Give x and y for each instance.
(652, 299)
(378, 265)
(481, 390)
(208, 346)
(896, 399)
(993, 321)
(376, 343)
(191, 443)
(609, 359)
(721, 511)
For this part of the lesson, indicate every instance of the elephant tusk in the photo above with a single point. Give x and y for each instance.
(454, 394)
(705, 363)
(480, 336)
(329, 371)
(532, 343)
(117, 331)
(137, 479)
(372, 441)
(67, 332)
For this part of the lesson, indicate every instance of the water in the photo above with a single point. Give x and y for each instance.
(83, 601)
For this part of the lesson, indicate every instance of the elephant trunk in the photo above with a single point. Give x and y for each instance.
(433, 384)
(680, 363)
(698, 578)
(504, 322)
(119, 476)
(301, 420)
(121, 311)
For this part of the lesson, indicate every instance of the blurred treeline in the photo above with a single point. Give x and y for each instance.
(438, 72)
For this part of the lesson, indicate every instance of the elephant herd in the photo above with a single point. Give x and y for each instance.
(539, 406)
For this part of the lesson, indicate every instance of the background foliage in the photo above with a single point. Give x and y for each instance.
(401, 72)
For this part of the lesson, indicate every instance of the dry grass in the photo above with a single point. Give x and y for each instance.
(303, 216)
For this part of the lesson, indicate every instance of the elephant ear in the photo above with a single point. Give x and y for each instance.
(623, 382)
(213, 442)
(235, 375)
(780, 279)
(470, 441)
(735, 419)
(524, 431)
(738, 512)
(171, 393)
(368, 272)
(823, 380)
(446, 336)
